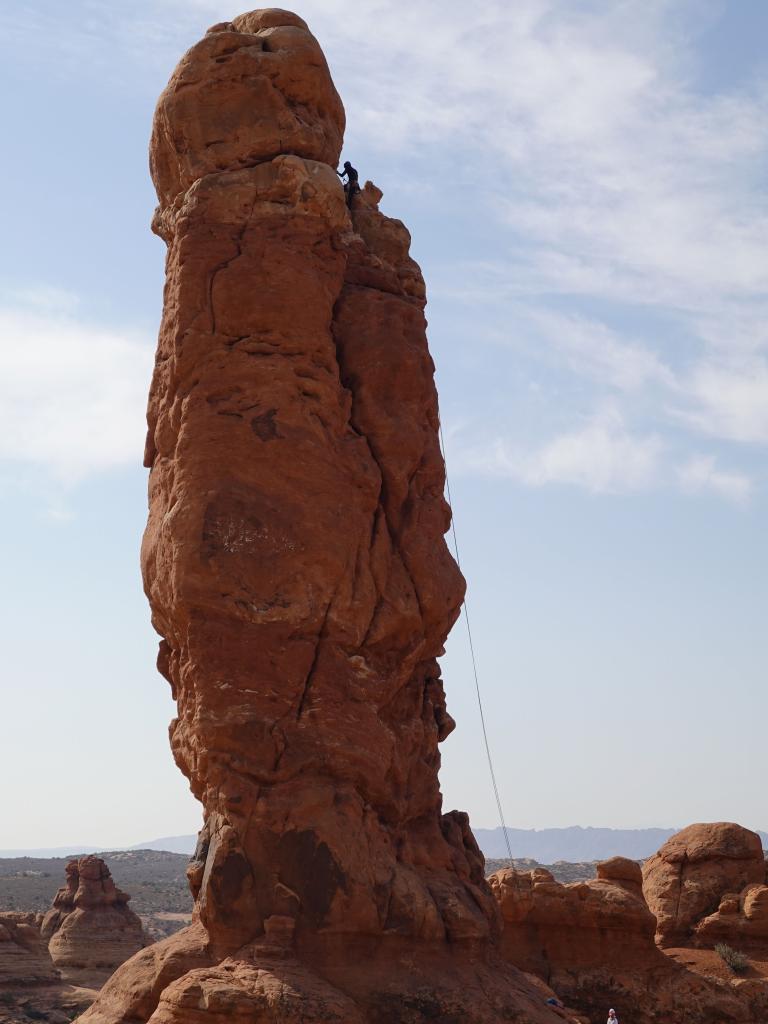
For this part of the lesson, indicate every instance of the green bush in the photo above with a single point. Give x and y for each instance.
(735, 960)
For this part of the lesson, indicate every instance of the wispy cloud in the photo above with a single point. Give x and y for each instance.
(72, 394)
(600, 455)
(589, 347)
(700, 474)
(625, 203)
(727, 400)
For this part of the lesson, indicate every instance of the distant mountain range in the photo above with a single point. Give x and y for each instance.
(545, 845)
(575, 844)
(170, 844)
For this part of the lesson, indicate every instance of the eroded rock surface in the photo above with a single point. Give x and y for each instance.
(24, 957)
(549, 926)
(297, 571)
(594, 943)
(694, 871)
(741, 920)
(90, 927)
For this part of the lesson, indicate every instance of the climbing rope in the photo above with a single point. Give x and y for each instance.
(474, 660)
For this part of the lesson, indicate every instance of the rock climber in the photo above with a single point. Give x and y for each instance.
(352, 184)
(612, 1018)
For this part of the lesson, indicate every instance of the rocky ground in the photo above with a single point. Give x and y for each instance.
(55, 1004)
(561, 870)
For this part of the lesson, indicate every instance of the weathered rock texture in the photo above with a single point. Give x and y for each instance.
(594, 943)
(24, 957)
(741, 919)
(90, 926)
(549, 926)
(296, 567)
(695, 870)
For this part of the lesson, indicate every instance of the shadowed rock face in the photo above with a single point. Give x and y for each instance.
(297, 571)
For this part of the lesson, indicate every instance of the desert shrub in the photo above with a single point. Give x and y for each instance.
(735, 960)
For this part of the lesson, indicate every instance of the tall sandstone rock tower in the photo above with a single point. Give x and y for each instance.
(297, 571)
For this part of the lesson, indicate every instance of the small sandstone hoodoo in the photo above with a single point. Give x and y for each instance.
(296, 567)
(90, 926)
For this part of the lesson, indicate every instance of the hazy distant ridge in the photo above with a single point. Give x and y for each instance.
(576, 843)
(168, 844)
(545, 845)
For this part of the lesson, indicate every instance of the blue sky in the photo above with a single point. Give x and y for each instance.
(584, 183)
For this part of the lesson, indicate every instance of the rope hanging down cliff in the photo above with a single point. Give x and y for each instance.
(474, 661)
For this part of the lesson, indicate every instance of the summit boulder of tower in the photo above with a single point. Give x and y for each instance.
(250, 90)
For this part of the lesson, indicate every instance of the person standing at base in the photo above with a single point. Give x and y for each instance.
(612, 1018)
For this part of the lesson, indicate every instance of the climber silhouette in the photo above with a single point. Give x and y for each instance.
(352, 184)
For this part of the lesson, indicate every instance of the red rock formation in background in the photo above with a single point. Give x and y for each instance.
(52, 965)
(296, 568)
(90, 927)
(594, 942)
(550, 926)
(695, 870)
(741, 919)
(24, 956)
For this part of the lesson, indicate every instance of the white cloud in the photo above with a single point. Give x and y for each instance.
(72, 395)
(590, 347)
(40, 297)
(728, 401)
(601, 456)
(699, 474)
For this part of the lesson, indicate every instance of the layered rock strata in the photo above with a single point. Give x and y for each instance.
(296, 568)
(24, 956)
(90, 926)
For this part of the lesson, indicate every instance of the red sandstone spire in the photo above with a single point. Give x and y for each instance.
(297, 571)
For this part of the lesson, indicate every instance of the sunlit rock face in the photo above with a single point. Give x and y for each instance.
(90, 926)
(694, 870)
(596, 942)
(296, 567)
